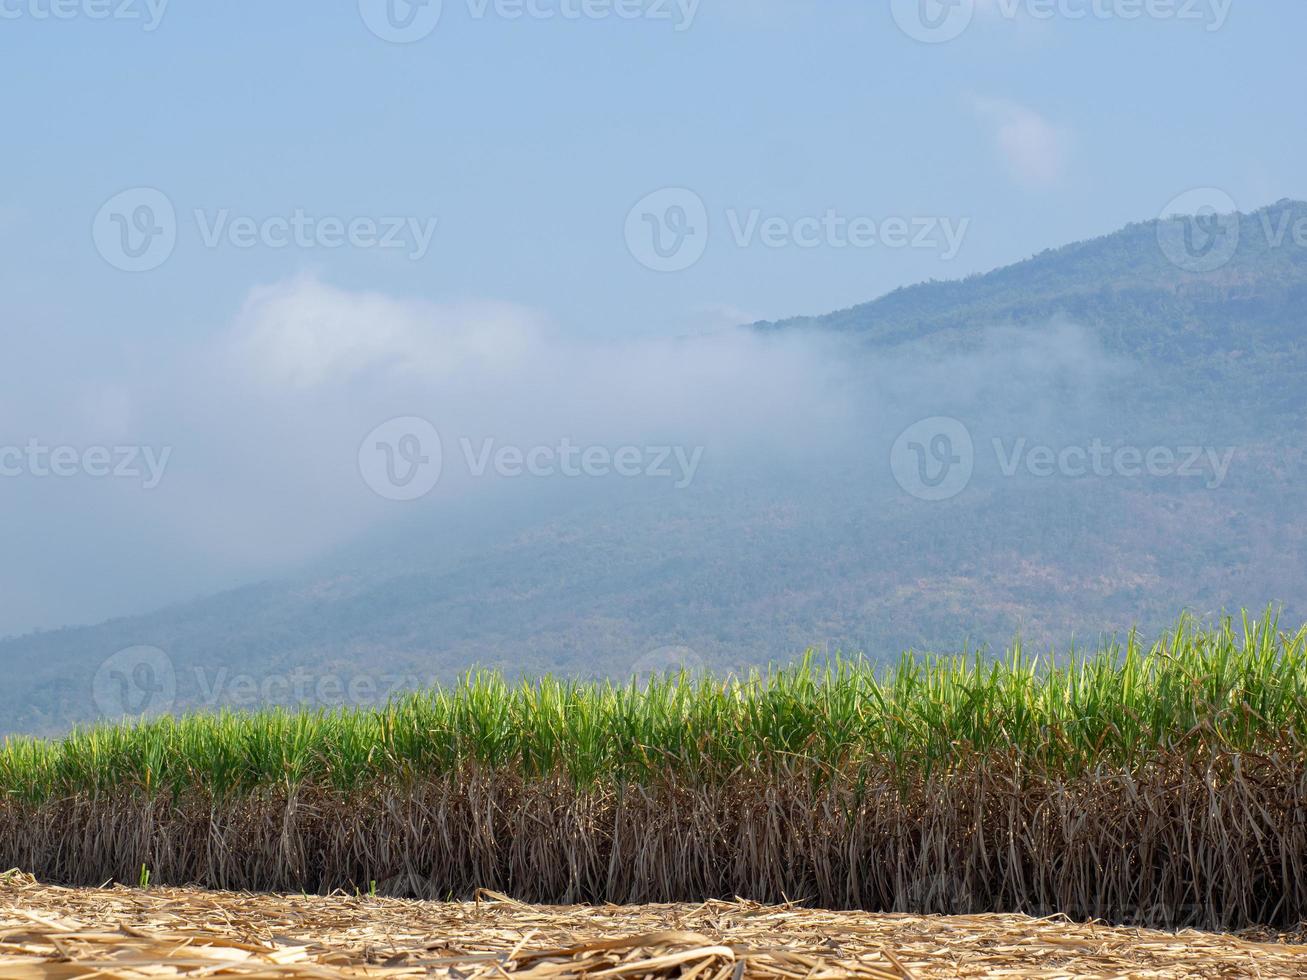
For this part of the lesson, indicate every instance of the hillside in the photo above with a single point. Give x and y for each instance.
(1221, 327)
(819, 546)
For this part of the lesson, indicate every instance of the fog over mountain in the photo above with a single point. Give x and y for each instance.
(1093, 439)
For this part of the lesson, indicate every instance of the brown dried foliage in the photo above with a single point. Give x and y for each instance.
(1178, 843)
(170, 933)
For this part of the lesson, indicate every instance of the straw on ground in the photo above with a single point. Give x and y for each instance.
(169, 933)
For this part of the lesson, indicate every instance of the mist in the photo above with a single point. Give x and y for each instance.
(260, 427)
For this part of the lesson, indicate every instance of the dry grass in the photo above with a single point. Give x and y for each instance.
(1172, 846)
(166, 933)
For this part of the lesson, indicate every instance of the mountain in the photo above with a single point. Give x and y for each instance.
(1227, 323)
(1133, 413)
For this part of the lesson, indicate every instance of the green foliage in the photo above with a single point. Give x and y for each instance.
(1237, 688)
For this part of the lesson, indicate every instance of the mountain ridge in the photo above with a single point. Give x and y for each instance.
(1135, 243)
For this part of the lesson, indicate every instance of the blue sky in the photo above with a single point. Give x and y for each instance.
(527, 141)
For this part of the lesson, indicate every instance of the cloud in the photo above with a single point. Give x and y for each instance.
(505, 368)
(1033, 149)
(305, 334)
(265, 422)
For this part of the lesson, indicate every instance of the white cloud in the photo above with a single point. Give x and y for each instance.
(264, 421)
(1033, 149)
(264, 424)
(305, 334)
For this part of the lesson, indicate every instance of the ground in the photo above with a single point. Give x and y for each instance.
(167, 932)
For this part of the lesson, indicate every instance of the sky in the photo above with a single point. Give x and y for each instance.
(226, 229)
